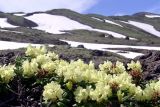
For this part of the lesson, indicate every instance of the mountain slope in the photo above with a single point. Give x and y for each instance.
(59, 26)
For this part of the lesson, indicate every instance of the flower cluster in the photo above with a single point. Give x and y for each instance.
(82, 94)
(34, 51)
(42, 60)
(82, 83)
(7, 73)
(135, 69)
(151, 92)
(29, 68)
(52, 92)
(76, 71)
(111, 68)
(101, 93)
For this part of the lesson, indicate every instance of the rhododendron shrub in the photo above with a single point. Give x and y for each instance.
(78, 84)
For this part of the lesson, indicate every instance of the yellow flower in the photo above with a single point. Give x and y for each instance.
(52, 92)
(29, 68)
(52, 55)
(102, 77)
(82, 94)
(41, 59)
(75, 70)
(135, 66)
(121, 78)
(62, 67)
(7, 73)
(110, 68)
(119, 68)
(139, 94)
(101, 93)
(106, 66)
(152, 90)
(34, 51)
(49, 66)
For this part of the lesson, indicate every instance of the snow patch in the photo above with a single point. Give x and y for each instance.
(130, 38)
(152, 16)
(116, 35)
(111, 22)
(103, 47)
(97, 19)
(130, 55)
(107, 21)
(126, 54)
(20, 14)
(5, 24)
(15, 45)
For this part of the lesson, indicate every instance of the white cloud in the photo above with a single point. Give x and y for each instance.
(42, 5)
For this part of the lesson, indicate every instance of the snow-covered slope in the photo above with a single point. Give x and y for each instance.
(5, 24)
(58, 24)
(146, 27)
(55, 24)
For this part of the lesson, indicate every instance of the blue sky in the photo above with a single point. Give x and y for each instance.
(104, 7)
(120, 7)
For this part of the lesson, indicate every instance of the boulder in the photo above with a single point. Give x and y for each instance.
(151, 65)
(80, 46)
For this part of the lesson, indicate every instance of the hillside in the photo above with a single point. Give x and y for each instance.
(129, 36)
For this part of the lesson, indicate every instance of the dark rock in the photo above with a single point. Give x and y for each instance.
(102, 35)
(144, 56)
(156, 68)
(80, 46)
(127, 38)
(97, 53)
(9, 56)
(58, 42)
(95, 41)
(110, 36)
(151, 65)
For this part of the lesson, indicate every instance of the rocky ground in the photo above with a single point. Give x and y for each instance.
(151, 65)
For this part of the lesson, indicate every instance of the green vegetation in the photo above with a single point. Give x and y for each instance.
(20, 21)
(143, 38)
(17, 20)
